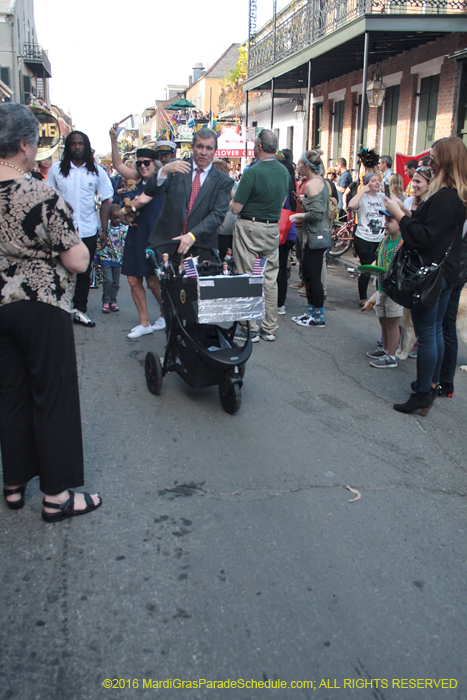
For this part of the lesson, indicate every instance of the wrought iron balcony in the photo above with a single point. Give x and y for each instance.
(306, 21)
(37, 60)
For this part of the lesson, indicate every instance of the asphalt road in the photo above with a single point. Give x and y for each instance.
(227, 547)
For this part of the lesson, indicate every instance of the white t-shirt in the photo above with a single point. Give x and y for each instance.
(408, 201)
(370, 222)
(79, 190)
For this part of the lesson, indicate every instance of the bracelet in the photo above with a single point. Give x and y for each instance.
(190, 234)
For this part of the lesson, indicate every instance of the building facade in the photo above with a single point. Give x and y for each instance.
(24, 65)
(330, 51)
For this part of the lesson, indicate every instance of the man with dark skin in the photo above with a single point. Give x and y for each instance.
(78, 180)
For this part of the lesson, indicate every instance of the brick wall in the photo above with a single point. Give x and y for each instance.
(447, 101)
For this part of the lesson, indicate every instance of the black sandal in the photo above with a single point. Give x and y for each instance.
(14, 505)
(67, 509)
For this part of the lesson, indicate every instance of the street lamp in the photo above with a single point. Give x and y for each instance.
(376, 90)
(299, 112)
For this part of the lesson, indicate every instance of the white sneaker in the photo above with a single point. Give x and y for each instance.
(138, 331)
(281, 311)
(300, 319)
(159, 324)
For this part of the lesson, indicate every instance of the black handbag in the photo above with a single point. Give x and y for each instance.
(320, 240)
(411, 283)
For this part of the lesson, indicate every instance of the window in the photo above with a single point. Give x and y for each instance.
(338, 128)
(427, 109)
(462, 116)
(391, 111)
(317, 124)
(277, 132)
(26, 89)
(5, 78)
(290, 138)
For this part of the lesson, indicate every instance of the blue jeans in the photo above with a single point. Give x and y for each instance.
(448, 368)
(428, 326)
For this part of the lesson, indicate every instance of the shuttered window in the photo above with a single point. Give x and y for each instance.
(317, 124)
(5, 78)
(338, 128)
(391, 110)
(428, 107)
(26, 89)
(462, 115)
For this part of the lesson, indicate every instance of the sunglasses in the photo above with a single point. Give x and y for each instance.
(145, 163)
(425, 169)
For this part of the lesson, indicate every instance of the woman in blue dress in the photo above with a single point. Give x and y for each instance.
(135, 265)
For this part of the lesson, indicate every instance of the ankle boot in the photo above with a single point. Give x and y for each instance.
(446, 389)
(434, 389)
(422, 402)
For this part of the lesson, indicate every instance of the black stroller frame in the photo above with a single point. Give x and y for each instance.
(203, 354)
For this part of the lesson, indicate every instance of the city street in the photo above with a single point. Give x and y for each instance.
(228, 548)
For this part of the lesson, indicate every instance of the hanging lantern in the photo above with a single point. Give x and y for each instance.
(299, 112)
(376, 90)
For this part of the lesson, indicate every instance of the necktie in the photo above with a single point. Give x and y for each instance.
(195, 188)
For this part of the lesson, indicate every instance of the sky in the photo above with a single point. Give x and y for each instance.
(111, 58)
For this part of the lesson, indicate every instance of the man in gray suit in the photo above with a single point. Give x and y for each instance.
(197, 197)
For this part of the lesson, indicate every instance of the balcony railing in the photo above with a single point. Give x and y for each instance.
(294, 29)
(34, 53)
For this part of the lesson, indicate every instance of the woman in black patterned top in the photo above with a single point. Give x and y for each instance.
(40, 253)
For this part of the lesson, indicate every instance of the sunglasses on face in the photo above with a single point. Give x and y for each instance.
(145, 163)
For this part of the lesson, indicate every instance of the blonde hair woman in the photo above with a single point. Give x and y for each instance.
(433, 229)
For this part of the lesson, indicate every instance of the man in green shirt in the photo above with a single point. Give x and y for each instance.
(258, 200)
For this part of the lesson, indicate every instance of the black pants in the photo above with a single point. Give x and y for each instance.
(284, 251)
(366, 254)
(40, 422)
(312, 265)
(83, 279)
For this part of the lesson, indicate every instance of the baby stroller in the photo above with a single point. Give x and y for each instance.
(200, 350)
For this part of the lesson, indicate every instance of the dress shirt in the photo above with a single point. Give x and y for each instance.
(79, 190)
(202, 176)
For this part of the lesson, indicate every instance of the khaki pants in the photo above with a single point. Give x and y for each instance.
(251, 240)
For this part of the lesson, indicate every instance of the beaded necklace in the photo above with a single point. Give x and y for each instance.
(10, 165)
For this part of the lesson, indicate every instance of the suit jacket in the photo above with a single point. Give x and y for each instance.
(207, 214)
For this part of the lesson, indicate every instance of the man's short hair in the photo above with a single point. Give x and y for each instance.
(342, 161)
(412, 163)
(387, 160)
(268, 141)
(205, 134)
(287, 153)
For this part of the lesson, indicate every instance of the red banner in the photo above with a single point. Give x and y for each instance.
(401, 160)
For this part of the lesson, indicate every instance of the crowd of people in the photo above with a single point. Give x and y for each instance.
(54, 224)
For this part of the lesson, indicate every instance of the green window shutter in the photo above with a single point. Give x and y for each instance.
(365, 122)
(317, 124)
(427, 110)
(391, 111)
(338, 129)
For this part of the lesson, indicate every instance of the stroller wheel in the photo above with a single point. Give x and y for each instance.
(230, 396)
(153, 371)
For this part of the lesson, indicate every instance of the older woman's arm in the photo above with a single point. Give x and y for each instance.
(76, 259)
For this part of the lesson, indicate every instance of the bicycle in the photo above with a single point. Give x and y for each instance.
(342, 237)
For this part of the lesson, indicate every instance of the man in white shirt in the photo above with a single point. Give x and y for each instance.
(78, 180)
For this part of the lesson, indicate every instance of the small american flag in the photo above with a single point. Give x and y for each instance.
(260, 266)
(190, 268)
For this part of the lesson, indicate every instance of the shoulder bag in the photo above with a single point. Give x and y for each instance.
(320, 240)
(411, 283)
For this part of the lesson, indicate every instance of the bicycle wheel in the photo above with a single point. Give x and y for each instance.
(342, 238)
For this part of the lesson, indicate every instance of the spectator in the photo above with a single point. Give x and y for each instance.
(344, 178)
(385, 167)
(409, 168)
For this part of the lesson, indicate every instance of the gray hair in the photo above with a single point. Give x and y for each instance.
(17, 123)
(387, 160)
(205, 134)
(267, 140)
